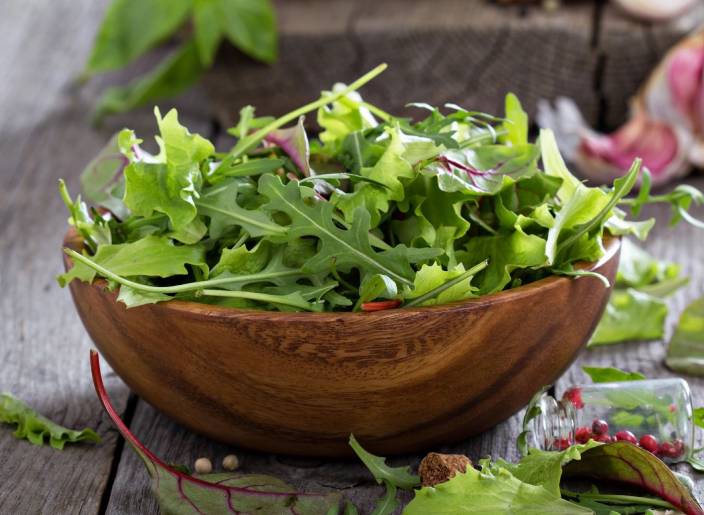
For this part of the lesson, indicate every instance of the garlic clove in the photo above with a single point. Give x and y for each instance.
(663, 148)
(655, 10)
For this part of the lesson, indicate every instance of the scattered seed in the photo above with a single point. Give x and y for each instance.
(203, 466)
(230, 462)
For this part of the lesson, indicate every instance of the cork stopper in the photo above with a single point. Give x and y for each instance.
(437, 468)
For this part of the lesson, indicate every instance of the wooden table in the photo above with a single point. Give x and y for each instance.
(45, 134)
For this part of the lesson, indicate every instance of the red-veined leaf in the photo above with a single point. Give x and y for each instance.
(213, 493)
(628, 463)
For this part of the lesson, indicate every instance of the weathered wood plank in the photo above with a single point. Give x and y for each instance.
(45, 133)
(43, 348)
(468, 52)
(175, 444)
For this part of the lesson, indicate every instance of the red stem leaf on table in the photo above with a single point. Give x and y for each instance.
(213, 493)
(628, 463)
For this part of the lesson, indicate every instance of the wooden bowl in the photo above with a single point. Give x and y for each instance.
(401, 380)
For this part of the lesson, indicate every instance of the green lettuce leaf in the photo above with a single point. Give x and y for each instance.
(637, 268)
(489, 492)
(389, 171)
(171, 184)
(241, 260)
(544, 468)
(506, 253)
(430, 277)
(35, 428)
(611, 374)
(342, 117)
(630, 315)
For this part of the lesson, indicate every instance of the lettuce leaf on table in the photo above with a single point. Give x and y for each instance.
(36, 428)
(637, 309)
(685, 352)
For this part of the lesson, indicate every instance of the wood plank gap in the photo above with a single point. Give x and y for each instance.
(127, 417)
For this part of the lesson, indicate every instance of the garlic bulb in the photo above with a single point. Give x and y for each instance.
(666, 128)
(656, 10)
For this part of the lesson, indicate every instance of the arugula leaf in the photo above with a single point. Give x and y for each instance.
(131, 28)
(399, 477)
(686, 348)
(249, 168)
(346, 248)
(33, 427)
(611, 374)
(489, 492)
(389, 503)
(220, 203)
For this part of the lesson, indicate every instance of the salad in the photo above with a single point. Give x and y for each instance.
(375, 211)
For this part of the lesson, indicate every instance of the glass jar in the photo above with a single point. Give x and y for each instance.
(654, 414)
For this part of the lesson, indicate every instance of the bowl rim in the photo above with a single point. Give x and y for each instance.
(612, 245)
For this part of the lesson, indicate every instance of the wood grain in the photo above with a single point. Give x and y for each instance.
(299, 383)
